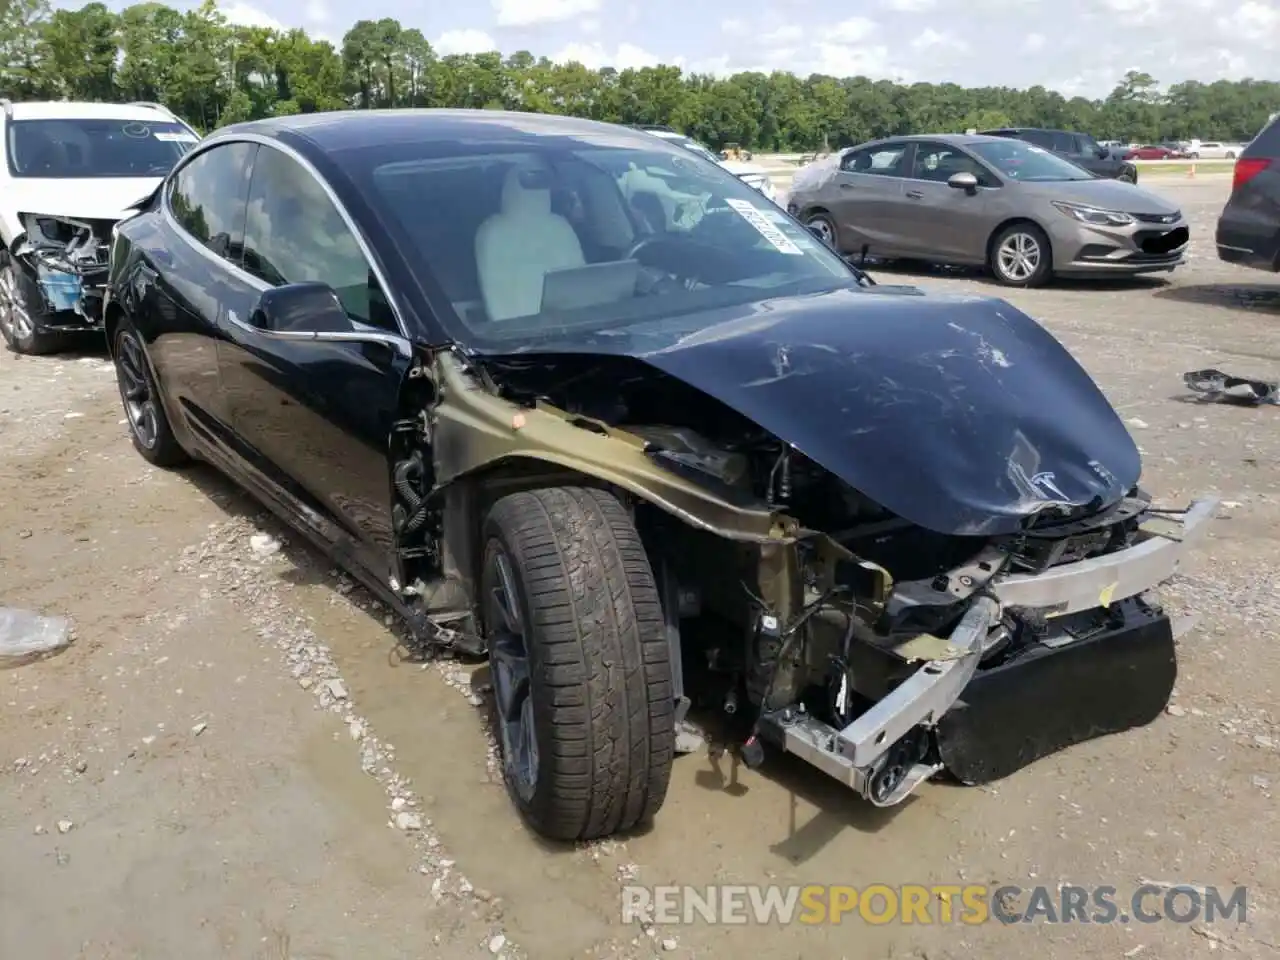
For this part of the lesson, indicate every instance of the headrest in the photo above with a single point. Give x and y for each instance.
(526, 190)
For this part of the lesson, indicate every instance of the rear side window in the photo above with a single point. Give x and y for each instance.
(207, 197)
(294, 234)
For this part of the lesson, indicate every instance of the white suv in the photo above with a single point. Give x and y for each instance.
(71, 171)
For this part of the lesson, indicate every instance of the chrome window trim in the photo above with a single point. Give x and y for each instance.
(400, 340)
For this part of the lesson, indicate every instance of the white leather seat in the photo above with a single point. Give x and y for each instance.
(519, 246)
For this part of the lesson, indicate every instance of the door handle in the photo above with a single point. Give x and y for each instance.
(848, 186)
(914, 195)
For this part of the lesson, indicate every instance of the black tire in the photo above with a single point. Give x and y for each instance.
(149, 426)
(825, 223)
(599, 685)
(1231, 154)
(1004, 273)
(22, 337)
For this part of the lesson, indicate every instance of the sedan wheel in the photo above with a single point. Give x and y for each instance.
(1020, 256)
(148, 425)
(822, 226)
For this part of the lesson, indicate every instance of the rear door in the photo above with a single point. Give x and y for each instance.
(315, 411)
(869, 198)
(184, 279)
(939, 220)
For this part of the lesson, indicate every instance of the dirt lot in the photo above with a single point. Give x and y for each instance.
(192, 779)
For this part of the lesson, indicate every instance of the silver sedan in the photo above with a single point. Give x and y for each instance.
(1019, 210)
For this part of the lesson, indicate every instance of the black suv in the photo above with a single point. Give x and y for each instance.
(1249, 228)
(1080, 148)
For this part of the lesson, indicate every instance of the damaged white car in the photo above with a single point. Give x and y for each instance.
(72, 171)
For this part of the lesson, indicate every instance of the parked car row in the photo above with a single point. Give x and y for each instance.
(560, 394)
(997, 201)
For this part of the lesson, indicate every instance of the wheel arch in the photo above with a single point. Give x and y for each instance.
(1011, 221)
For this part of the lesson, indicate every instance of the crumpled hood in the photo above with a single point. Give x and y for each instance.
(960, 414)
(98, 198)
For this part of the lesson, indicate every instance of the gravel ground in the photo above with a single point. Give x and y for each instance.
(236, 758)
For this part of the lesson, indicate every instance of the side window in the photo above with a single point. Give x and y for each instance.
(207, 197)
(1041, 138)
(293, 233)
(939, 162)
(885, 161)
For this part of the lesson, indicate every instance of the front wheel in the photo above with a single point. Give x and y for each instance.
(1021, 256)
(824, 228)
(580, 663)
(21, 308)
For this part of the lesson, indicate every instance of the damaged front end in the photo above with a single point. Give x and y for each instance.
(68, 259)
(878, 649)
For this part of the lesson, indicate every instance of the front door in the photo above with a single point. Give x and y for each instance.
(940, 221)
(316, 414)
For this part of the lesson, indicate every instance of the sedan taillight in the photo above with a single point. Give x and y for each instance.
(1246, 169)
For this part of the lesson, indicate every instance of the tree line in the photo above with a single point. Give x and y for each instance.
(212, 72)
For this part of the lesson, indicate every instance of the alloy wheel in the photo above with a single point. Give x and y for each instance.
(1019, 257)
(14, 318)
(136, 390)
(509, 664)
(822, 227)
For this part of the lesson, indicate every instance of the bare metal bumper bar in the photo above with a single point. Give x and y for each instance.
(856, 754)
(1101, 581)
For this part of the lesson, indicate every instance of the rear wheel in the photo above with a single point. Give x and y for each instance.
(1231, 154)
(580, 662)
(1020, 256)
(21, 308)
(149, 426)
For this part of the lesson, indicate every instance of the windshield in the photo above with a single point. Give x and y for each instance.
(1018, 160)
(95, 148)
(549, 235)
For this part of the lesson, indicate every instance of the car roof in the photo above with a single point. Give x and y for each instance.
(85, 110)
(954, 139)
(339, 130)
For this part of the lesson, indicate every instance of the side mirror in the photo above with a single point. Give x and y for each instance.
(310, 307)
(963, 181)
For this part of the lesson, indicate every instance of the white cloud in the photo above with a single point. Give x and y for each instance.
(520, 13)
(909, 6)
(317, 11)
(464, 41)
(1035, 41)
(931, 39)
(627, 56)
(853, 30)
(244, 15)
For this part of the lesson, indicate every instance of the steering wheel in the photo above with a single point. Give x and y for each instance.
(648, 240)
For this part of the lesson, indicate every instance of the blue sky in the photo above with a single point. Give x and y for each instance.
(1078, 47)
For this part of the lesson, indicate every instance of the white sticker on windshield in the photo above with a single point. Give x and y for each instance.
(757, 218)
(175, 137)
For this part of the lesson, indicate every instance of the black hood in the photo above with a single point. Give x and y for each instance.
(960, 414)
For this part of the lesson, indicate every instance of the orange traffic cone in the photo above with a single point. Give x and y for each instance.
(1192, 171)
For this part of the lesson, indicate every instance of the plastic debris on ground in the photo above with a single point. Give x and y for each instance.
(1216, 385)
(25, 635)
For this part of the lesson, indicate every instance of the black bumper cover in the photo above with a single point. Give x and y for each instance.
(1054, 697)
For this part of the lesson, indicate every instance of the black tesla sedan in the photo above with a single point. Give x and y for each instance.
(556, 390)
